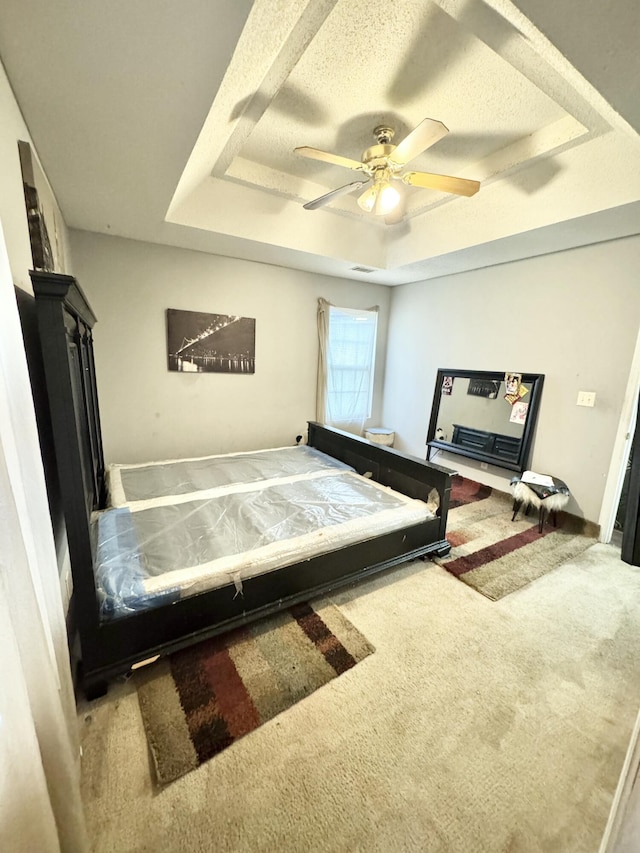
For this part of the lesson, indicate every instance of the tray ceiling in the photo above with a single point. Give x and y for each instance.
(199, 114)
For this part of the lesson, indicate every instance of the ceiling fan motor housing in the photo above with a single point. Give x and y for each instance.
(377, 156)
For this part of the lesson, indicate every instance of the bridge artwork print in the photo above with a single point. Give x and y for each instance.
(210, 343)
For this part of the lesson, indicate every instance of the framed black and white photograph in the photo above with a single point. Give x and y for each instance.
(210, 343)
(484, 388)
(44, 228)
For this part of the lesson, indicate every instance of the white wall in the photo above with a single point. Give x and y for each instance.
(150, 413)
(12, 207)
(38, 733)
(573, 316)
(13, 216)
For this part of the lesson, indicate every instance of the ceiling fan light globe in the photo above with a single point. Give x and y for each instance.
(368, 199)
(387, 200)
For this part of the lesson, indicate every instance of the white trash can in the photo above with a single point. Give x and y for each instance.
(380, 435)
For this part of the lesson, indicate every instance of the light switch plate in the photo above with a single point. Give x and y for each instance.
(586, 398)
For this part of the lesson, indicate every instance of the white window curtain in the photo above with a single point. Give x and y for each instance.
(40, 804)
(347, 339)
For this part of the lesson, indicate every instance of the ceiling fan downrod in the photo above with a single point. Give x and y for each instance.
(384, 134)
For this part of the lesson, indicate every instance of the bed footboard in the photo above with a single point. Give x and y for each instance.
(414, 477)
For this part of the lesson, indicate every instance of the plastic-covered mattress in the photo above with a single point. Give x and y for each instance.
(160, 548)
(128, 483)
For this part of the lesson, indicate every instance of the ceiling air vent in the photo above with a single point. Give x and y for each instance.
(361, 269)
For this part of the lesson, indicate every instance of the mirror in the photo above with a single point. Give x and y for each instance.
(485, 415)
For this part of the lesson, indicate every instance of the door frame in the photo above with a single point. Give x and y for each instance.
(621, 449)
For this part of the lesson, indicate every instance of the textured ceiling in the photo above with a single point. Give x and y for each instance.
(356, 75)
(177, 124)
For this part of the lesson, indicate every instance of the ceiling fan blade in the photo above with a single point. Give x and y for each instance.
(325, 199)
(445, 183)
(426, 134)
(326, 157)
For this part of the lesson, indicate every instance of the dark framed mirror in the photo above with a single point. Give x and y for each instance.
(485, 415)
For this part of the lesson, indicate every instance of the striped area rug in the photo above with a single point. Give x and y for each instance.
(497, 556)
(198, 701)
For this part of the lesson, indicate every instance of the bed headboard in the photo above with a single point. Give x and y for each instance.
(65, 321)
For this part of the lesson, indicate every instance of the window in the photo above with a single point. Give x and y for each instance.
(350, 365)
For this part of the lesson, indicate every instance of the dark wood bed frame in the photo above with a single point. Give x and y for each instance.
(109, 648)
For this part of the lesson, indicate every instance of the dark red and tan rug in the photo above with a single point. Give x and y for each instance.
(197, 702)
(497, 556)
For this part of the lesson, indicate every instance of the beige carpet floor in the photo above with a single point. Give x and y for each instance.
(476, 727)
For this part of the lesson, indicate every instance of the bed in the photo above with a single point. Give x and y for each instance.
(168, 553)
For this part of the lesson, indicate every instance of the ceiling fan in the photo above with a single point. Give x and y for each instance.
(383, 163)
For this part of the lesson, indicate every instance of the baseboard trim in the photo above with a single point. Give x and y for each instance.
(575, 523)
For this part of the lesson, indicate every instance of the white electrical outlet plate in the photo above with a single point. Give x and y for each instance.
(586, 398)
(484, 466)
